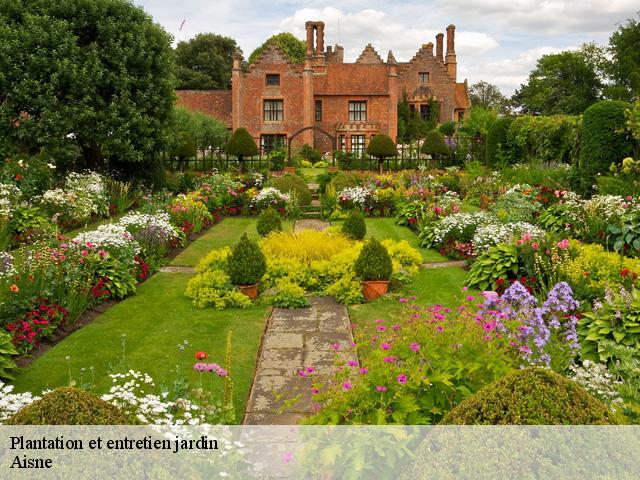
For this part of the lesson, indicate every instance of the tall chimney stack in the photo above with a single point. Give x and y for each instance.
(451, 62)
(440, 47)
(309, 28)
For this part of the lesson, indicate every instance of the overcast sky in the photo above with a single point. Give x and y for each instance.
(496, 40)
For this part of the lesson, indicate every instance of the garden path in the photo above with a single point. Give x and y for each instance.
(294, 340)
(449, 263)
(310, 224)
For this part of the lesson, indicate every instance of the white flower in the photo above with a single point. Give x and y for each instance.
(51, 166)
(357, 195)
(269, 196)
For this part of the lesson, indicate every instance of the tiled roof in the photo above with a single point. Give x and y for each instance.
(353, 79)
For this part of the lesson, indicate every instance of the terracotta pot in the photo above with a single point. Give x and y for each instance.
(372, 289)
(332, 169)
(290, 170)
(250, 291)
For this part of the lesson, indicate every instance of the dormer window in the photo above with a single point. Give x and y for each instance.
(273, 80)
(423, 77)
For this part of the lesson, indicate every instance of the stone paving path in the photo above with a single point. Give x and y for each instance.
(172, 269)
(310, 224)
(450, 263)
(294, 340)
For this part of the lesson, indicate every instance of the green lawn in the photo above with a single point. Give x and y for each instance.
(383, 228)
(155, 321)
(429, 286)
(311, 174)
(225, 233)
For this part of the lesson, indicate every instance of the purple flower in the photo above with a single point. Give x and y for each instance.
(347, 386)
(381, 388)
(402, 379)
(415, 346)
(385, 346)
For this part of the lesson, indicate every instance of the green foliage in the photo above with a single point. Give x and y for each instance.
(70, 406)
(311, 154)
(294, 48)
(212, 288)
(7, 351)
(206, 131)
(617, 320)
(497, 140)
(354, 226)
(95, 78)
(276, 159)
(185, 146)
(533, 396)
(626, 58)
(488, 96)
(499, 262)
(479, 122)
(204, 62)
(289, 295)
(246, 265)
(381, 146)
(447, 129)
(411, 126)
(342, 180)
(292, 183)
(555, 177)
(562, 83)
(434, 144)
(241, 144)
(374, 262)
(268, 221)
(633, 120)
(603, 140)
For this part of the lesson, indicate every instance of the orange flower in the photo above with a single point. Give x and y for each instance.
(14, 288)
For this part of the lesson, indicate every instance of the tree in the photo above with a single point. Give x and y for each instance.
(88, 80)
(625, 68)
(381, 146)
(294, 48)
(562, 83)
(479, 122)
(205, 62)
(487, 95)
(241, 144)
(411, 126)
(434, 145)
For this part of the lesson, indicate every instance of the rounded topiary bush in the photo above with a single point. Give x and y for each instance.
(342, 181)
(374, 262)
(241, 144)
(268, 221)
(603, 140)
(70, 406)
(381, 146)
(185, 145)
(497, 140)
(447, 129)
(246, 264)
(434, 144)
(533, 396)
(354, 226)
(293, 183)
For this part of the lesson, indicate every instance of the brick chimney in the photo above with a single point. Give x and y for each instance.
(236, 91)
(451, 62)
(439, 47)
(309, 27)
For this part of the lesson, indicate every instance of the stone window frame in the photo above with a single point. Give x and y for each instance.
(358, 114)
(424, 77)
(272, 76)
(273, 114)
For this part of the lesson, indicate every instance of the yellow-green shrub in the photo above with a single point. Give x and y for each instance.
(289, 295)
(214, 260)
(212, 288)
(592, 269)
(406, 259)
(305, 246)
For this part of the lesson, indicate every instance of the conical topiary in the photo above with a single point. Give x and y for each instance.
(374, 262)
(268, 221)
(246, 264)
(354, 226)
(434, 144)
(241, 144)
(381, 146)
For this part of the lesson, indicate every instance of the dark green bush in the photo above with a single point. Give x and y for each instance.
(324, 179)
(381, 146)
(277, 159)
(374, 262)
(268, 221)
(7, 352)
(533, 396)
(343, 180)
(246, 264)
(354, 226)
(288, 183)
(241, 144)
(434, 144)
(185, 146)
(70, 406)
(447, 129)
(311, 154)
(604, 140)
(497, 141)
(610, 185)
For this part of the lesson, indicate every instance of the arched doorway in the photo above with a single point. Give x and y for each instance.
(318, 129)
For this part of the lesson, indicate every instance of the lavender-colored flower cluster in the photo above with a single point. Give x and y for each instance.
(210, 367)
(6, 265)
(152, 231)
(530, 327)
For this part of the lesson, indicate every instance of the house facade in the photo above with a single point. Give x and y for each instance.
(328, 103)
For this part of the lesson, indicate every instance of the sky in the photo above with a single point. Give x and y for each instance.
(497, 41)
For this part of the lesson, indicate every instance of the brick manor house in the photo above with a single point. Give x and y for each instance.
(328, 102)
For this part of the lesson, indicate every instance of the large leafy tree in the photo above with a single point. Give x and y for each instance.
(625, 66)
(205, 61)
(487, 95)
(294, 48)
(562, 83)
(88, 80)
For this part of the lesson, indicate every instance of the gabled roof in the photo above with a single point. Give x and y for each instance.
(461, 96)
(369, 56)
(272, 54)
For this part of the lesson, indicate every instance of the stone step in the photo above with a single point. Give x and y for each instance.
(311, 215)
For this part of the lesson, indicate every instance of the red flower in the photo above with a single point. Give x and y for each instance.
(201, 355)
(19, 177)
(625, 272)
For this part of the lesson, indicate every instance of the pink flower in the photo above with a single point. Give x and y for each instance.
(470, 298)
(347, 386)
(352, 363)
(415, 347)
(302, 373)
(287, 457)
(403, 300)
(535, 246)
(381, 328)
(381, 388)
(310, 369)
(364, 371)
(385, 346)
(563, 244)
(390, 359)
(402, 379)
(315, 391)
(396, 327)
(629, 198)
(440, 328)
(526, 237)
(336, 346)
(490, 295)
